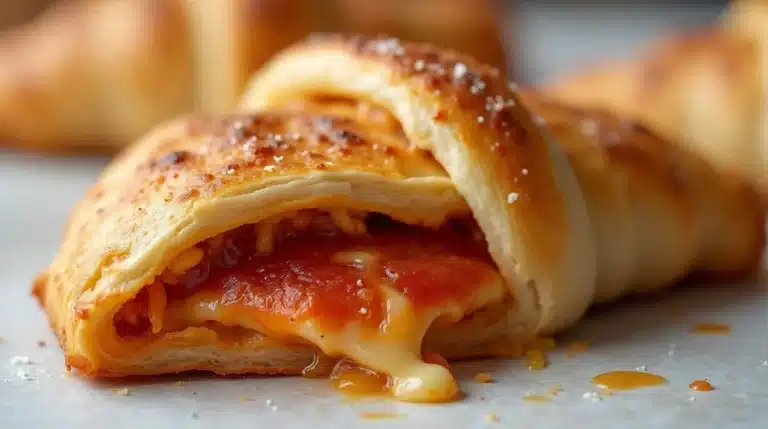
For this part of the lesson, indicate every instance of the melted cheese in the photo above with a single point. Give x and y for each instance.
(394, 348)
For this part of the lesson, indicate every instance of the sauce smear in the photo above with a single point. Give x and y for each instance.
(711, 329)
(627, 380)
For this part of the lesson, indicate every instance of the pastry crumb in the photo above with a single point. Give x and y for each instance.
(20, 360)
(180, 383)
(2, 340)
(483, 377)
(24, 375)
(672, 349)
(554, 389)
(492, 418)
(41, 343)
(592, 396)
(122, 392)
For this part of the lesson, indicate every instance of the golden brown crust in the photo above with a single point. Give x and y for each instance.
(466, 115)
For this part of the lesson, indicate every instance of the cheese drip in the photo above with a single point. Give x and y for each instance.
(394, 347)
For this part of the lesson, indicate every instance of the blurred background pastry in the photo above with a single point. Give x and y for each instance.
(95, 74)
(704, 89)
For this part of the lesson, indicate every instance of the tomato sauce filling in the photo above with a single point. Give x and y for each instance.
(328, 276)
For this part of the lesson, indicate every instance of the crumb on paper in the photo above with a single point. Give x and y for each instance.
(2, 340)
(692, 399)
(492, 418)
(554, 389)
(24, 375)
(576, 347)
(41, 343)
(672, 349)
(20, 360)
(194, 415)
(274, 408)
(269, 401)
(180, 383)
(122, 392)
(592, 396)
(483, 377)
(765, 362)
(641, 368)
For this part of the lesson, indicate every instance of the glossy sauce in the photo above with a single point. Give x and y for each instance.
(379, 415)
(327, 276)
(537, 398)
(305, 277)
(711, 329)
(701, 386)
(355, 381)
(537, 360)
(627, 380)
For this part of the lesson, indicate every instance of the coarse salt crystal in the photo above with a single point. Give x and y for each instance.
(277, 158)
(512, 86)
(512, 197)
(477, 87)
(539, 120)
(122, 392)
(24, 375)
(270, 168)
(592, 396)
(524, 171)
(363, 310)
(459, 71)
(480, 119)
(359, 282)
(418, 65)
(20, 360)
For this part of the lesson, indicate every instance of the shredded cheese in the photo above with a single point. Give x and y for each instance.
(156, 306)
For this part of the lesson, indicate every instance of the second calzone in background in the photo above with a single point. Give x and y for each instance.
(391, 204)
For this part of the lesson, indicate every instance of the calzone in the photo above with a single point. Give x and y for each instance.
(383, 203)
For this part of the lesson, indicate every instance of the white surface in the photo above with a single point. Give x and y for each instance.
(36, 195)
(556, 37)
